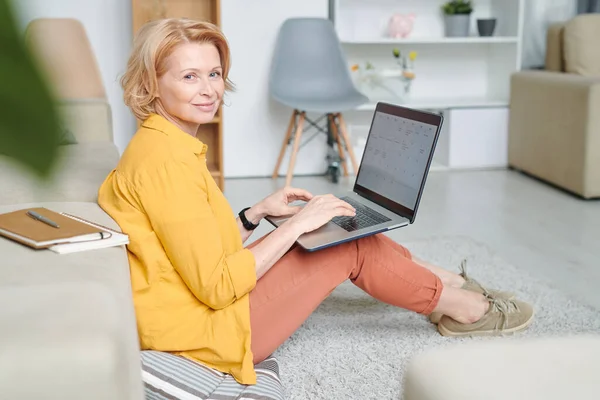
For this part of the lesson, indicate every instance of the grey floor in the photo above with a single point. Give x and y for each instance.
(532, 225)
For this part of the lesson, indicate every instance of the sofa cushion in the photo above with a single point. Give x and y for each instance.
(78, 174)
(554, 60)
(580, 45)
(90, 120)
(168, 376)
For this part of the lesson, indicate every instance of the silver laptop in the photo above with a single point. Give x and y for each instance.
(390, 180)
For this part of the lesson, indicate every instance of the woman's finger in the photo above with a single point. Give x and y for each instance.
(342, 203)
(337, 203)
(345, 208)
(294, 194)
(343, 211)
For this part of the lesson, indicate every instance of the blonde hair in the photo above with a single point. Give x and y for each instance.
(154, 42)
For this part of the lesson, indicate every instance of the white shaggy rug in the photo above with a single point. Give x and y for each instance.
(354, 347)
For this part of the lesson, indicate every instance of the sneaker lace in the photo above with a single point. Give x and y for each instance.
(500, 305)
(504, 307)
(466, 277)
(463, 270)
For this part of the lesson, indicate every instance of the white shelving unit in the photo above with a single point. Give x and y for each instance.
(465, 78)
(433, 40)
(442, 104)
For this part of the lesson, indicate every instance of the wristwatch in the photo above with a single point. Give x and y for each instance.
(249, 226)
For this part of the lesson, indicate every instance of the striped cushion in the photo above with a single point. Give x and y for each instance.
(167, 376)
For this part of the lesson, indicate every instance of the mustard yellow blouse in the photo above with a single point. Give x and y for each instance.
(189, 271)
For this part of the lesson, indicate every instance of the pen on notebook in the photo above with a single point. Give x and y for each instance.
(43, 219)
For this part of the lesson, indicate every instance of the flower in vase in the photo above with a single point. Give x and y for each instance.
(406, 64)
(409, 75)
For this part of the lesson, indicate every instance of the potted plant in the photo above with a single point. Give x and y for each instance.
(457, 17)
(29, 134)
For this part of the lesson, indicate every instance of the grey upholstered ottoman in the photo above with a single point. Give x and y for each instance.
(167, 376)
(524, 369)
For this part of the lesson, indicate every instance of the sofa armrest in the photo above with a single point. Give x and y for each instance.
(554, 129)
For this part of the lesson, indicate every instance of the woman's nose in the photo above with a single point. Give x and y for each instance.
(206, 88)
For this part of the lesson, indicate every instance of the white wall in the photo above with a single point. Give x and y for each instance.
(109, 28)
(254, 125)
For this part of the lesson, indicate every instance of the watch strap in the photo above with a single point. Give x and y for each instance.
(249, 226)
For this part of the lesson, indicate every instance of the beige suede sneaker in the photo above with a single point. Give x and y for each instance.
(503, 317)
(474, 286)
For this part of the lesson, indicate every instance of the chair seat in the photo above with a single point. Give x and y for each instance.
(324, 105)
(169, 376)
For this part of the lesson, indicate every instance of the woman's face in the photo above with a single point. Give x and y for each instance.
(191, 89)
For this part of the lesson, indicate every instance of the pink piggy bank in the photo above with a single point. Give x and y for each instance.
(400, 25)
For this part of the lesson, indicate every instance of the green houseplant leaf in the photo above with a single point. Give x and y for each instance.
(457, 7)
(29, 123)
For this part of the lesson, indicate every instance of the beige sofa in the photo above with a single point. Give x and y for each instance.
(553, 368)
(554, 128)
(68, 323)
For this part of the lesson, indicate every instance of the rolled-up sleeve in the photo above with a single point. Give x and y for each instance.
(175, 200)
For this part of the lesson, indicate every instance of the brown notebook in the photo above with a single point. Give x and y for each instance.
(19, 226)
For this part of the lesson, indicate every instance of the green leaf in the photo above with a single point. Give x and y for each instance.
(29, 122)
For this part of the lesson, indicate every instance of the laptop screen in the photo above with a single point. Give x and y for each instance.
(396, 158)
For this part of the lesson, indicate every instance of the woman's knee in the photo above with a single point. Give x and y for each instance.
(380, 242)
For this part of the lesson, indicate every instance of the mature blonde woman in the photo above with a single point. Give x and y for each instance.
(197, 291)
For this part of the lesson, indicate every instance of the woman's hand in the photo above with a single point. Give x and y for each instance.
(277, 204)
(319, 211)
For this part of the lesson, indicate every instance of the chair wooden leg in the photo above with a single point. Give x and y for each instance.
(284, 146)
(297, 137)
(338, 139)
(348, 144)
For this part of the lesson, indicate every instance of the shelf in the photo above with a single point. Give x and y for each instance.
(434, 40)
(434, 104)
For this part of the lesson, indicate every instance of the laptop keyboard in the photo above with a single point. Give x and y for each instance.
(365, 217)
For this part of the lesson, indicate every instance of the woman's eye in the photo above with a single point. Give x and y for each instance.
(215, 74)
(188, 77)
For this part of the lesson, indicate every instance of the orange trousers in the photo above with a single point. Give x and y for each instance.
(295, 286)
